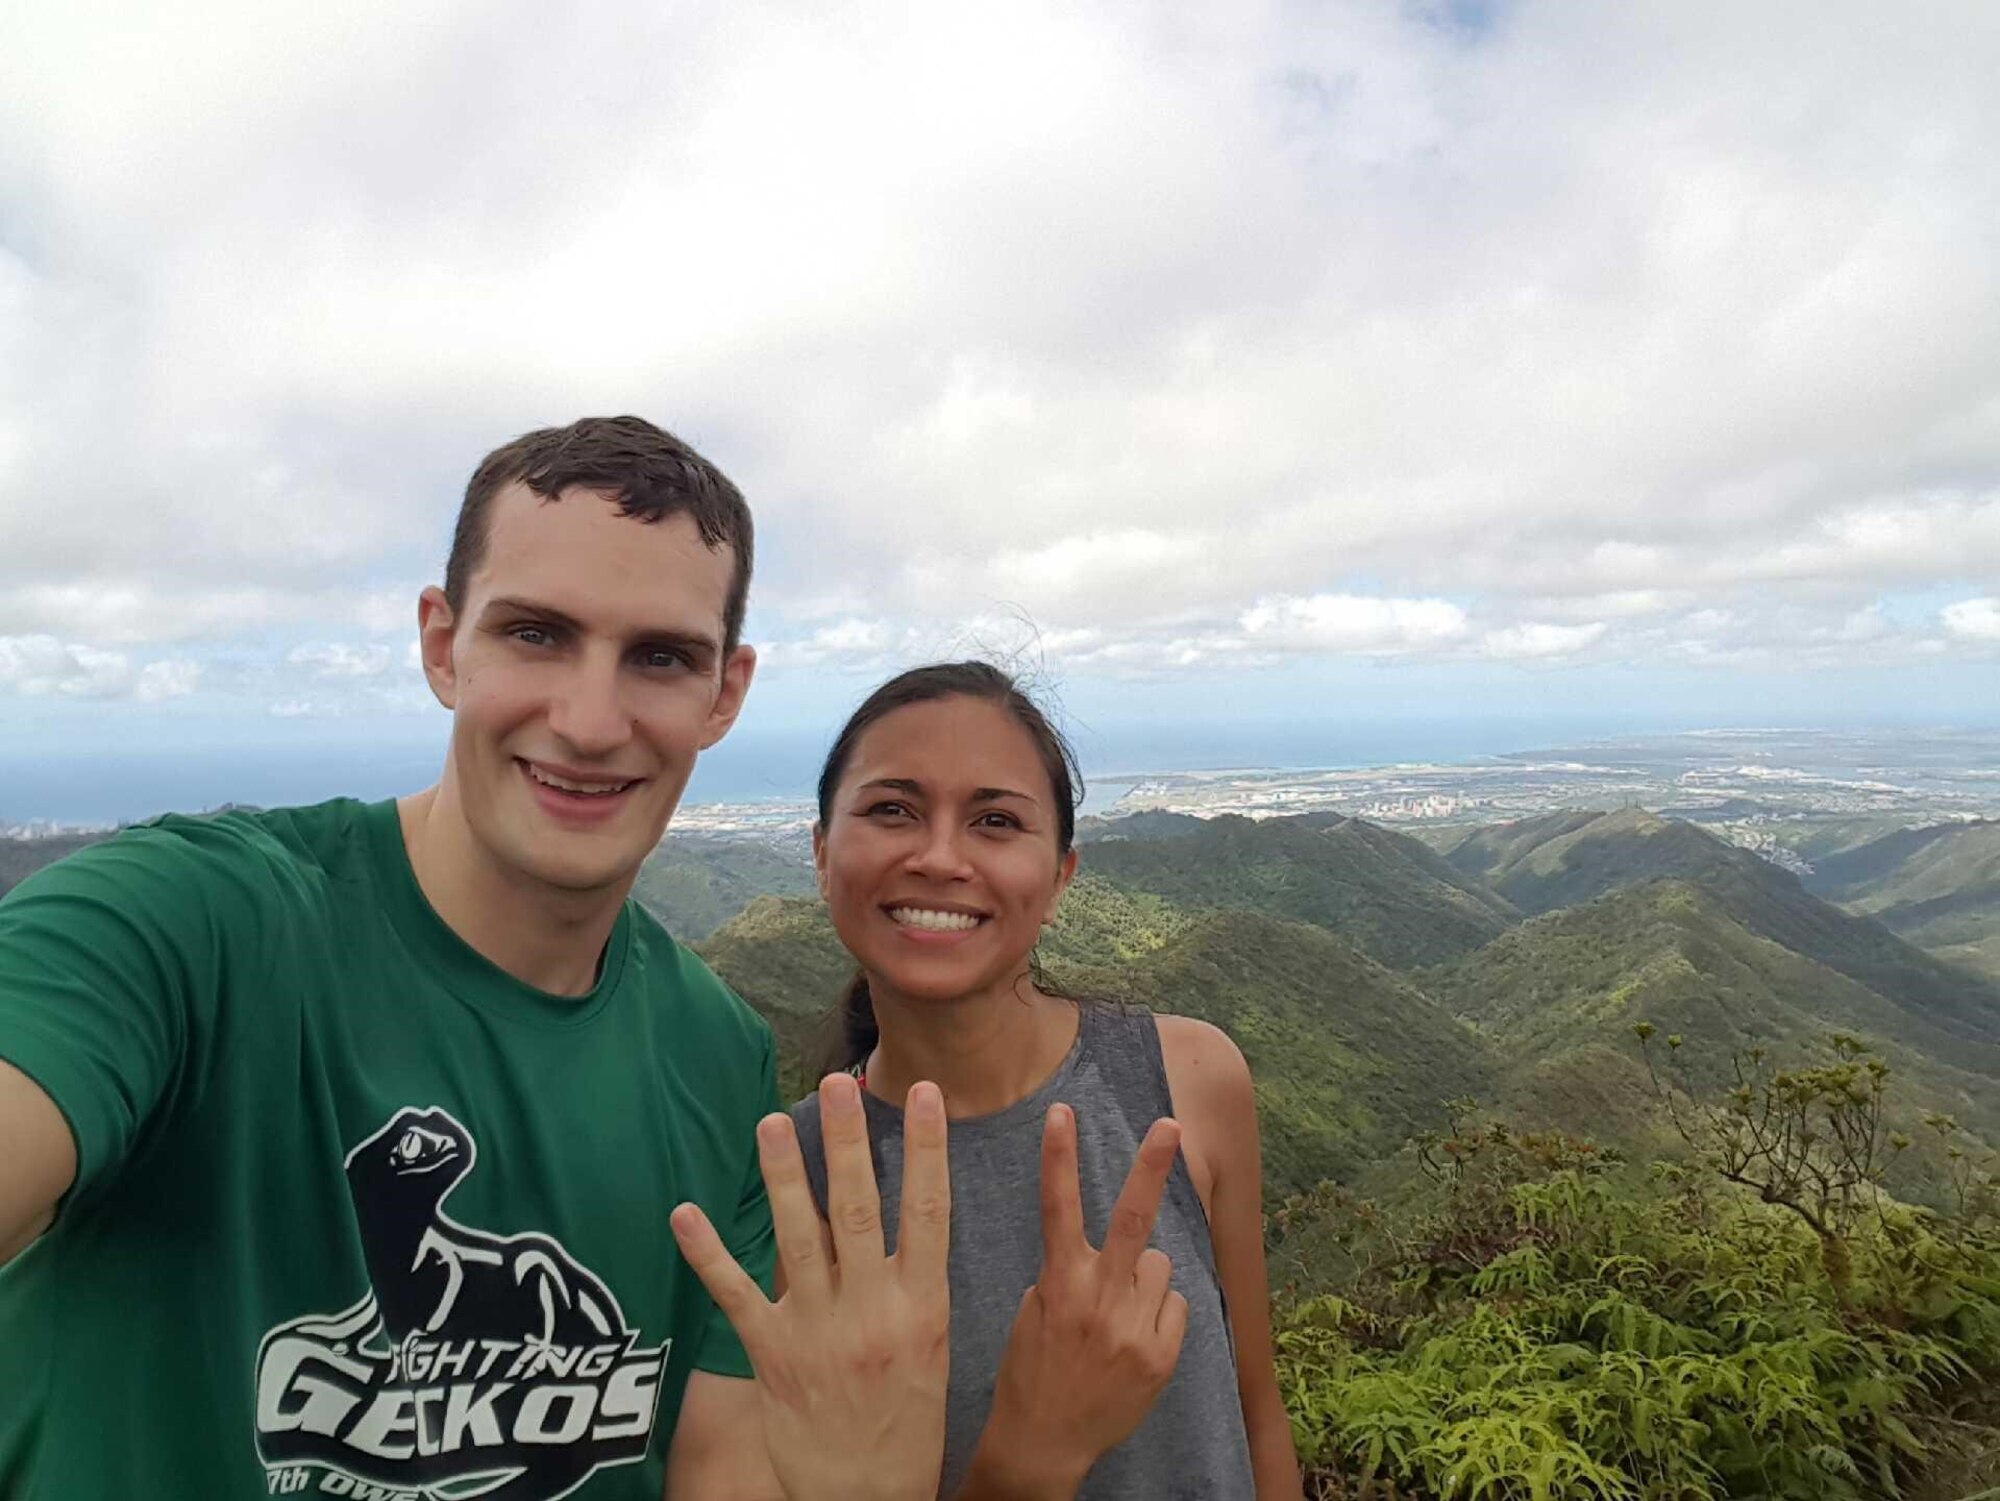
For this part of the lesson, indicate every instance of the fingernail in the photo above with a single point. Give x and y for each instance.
(1059, 1115)
(926, 1102)
(771, 1130)
(840, 1090)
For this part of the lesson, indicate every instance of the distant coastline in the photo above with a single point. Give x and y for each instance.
(761, 785)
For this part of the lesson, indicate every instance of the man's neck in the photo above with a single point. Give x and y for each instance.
(550, 939)
(985, 1052)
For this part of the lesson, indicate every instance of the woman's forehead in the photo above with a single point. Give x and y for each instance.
(951, 742)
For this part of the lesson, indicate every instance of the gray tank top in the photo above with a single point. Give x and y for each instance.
(1191, 1447)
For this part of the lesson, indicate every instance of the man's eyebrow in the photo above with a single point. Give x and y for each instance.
(514, 605)
(666, 635)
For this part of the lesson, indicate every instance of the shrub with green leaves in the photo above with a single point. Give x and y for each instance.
(1552, 1324)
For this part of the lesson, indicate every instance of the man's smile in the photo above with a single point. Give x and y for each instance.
(564, 786)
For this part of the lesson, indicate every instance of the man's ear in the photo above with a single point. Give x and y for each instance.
(736, 675)
(435, 627)
(1065, 873)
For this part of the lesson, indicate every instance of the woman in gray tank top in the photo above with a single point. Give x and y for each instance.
(944, 842)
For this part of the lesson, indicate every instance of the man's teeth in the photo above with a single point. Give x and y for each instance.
(563, 784)
(937, 922)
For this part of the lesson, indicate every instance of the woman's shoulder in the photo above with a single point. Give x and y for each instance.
(1209, 1082)
(1202, 1059)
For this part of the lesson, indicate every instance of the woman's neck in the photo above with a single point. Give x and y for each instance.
(985, 1052)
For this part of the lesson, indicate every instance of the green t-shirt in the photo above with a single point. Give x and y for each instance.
(356, 1212)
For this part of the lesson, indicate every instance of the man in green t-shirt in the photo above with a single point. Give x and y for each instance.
(337, 1144)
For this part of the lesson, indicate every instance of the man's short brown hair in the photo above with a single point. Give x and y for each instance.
(645, 470)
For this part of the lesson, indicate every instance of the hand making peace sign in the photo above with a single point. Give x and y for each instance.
(1096, 1337)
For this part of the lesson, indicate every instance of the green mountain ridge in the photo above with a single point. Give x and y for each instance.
(1349, 1058)
(1392, 897)
(1936, 887)
(694, 886)
(1678, 955)
(1563, 860)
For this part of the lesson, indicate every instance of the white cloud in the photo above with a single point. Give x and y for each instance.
(1540, 640)
(1231, 333)
(1973, 619)
(42, 665)
(341, 659)
(1354, 624)
(173, 678)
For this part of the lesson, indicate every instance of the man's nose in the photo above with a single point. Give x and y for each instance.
(588, 711)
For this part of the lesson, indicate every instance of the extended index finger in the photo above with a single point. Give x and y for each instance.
(1139, 1200)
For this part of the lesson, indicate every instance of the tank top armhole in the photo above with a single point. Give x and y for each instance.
(1147, 1094)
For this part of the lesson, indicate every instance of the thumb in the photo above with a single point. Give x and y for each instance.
(741, 1300)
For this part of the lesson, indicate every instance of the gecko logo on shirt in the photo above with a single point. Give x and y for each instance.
(477, 1364)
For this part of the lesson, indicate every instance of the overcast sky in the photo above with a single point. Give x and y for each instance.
(1260, 359)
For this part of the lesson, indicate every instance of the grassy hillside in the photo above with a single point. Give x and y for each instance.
(1562, 860)
(1937, 887)
(1390, 896)
(1154, 823)
(1559, 996)
(781, 956)
(694, 886)
(1349, 1058)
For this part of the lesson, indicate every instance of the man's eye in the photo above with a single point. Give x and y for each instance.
(531, 635)
(661, 658)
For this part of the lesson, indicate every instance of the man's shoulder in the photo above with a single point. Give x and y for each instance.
(699, 990)
(248, 855)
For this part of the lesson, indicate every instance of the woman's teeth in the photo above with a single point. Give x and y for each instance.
(936, 922)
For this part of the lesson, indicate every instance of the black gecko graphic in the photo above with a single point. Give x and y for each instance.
(478, 1364)
(436, 1277)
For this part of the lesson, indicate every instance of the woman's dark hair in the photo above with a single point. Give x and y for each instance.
(855, 1016)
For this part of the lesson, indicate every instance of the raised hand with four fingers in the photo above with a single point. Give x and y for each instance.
(853, 1358)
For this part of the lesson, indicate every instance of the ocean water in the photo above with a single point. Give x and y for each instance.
(105, 786)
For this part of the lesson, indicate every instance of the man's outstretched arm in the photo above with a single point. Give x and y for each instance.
(37, 1160)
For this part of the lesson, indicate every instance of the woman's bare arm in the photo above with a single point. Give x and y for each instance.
(1217, 1108)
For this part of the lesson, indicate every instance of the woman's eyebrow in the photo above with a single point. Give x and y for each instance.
(979, 794)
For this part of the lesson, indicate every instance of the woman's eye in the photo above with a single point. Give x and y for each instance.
(888, 810)
(998, 821)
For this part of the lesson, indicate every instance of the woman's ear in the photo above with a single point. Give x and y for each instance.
(819, 857)
(1065, 873)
